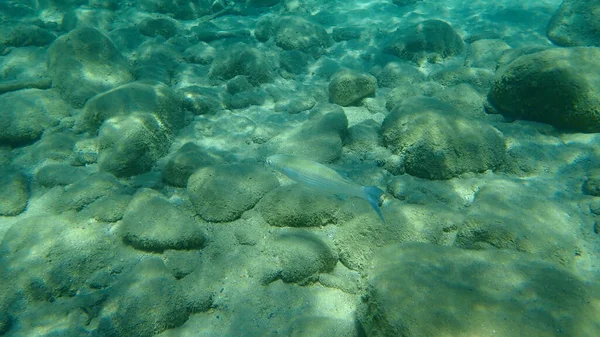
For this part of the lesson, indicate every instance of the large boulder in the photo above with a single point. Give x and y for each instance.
(428, 290)
(301, 256)
(575, 23)
(142, 97)
(437, 142)
(14, 192)
(300, 206)
(77, 60)
(242, 59)
(294, 33)
(153, 223)
(130, 145)
(559, 86)
(26, 114)
(222, 193)
(320, 138)
(349, 87)
(146, 301)
(186, 161)
(430, 40)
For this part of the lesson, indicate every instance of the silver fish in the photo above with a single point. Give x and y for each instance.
(323, 178)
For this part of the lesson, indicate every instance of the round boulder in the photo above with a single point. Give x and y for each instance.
(431, 40)
(78, 59)
(130, 145)
(153, 223)
(350, 87)
(25, 114)
(421, 289)
(142, 97)
(222, 193)
(575, 23)
(438, 143)
(558, 86)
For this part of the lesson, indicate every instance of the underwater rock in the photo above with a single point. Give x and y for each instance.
(313, 326)
(301, 256)
(147, 300)
(591, 186)
(186, 161)
(242, 59)
(396, 73)
(473, 293)
(320, 138)
(485, 53)
(293, 33)
(77, 59)
(222, 193)
(480, 79)
(296, 33)
(299, 206)
(558, 86)
(542, 226)
(26, 114)
(14, 192)
(85, 191)
(164, 27)
(132, 99)
(430, 40)
(153, 223)
(130, 145)
(575, 23)
(20, 35)
(438, 143)
(110, 208)
(350, 87)
(55, 174)
(50, 257)
(179, 9)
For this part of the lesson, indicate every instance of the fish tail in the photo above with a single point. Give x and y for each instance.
(372, 195)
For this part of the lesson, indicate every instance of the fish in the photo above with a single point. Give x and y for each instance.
(322, 178)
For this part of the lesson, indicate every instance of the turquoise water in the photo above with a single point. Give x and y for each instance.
(135, 199)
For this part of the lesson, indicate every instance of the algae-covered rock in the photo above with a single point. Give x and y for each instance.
(319, 326)
(319, 139)
(130, 145)
(349, 87)
(26, 114)
(300, 206)
(223, 192)
(575, 23)
(241, 59)
(146, 301)
(14, 192)
(85, 191)
(558, 86)
(55, 174)
(295, 33)
(109, 208)
(301, 256)
(50, 257)
(153, 223)
(186, 161)
(542, 226)
(431, 40)
(438, 143)
(133, 99)
(428, 290)
(77, 59)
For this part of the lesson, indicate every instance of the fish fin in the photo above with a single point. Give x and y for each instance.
(372, 195)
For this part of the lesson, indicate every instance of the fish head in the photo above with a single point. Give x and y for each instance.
(275, 161)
